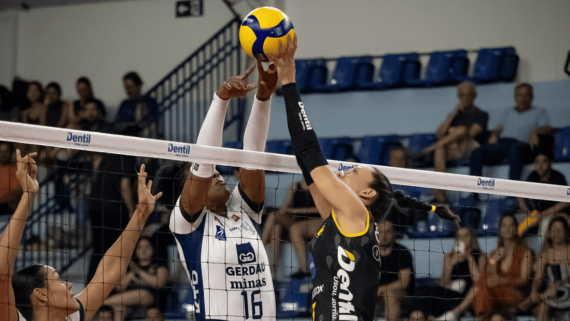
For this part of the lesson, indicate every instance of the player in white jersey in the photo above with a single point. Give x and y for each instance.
(215, 229)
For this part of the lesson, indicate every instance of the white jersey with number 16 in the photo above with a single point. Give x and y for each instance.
(226, 262)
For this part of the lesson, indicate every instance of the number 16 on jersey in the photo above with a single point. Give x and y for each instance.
(256, 308)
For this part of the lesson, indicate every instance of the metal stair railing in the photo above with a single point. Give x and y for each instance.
(185, 93)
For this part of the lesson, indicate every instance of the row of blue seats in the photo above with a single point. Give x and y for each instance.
(376, 149)
(404, 70)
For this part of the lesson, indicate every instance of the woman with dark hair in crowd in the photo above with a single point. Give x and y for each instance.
(461, 269)
(138, 115)
(550, 286)
(37, 292)
(504, 283)
(55, 106)
(140, 284)
(85, 93)
(36, 113)
(344, 254)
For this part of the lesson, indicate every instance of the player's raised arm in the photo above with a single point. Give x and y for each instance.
(115, 262)
(199, 179)
(252, 181)
(12, 236)
(329, 191)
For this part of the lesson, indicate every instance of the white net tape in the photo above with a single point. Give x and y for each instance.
(116, 144)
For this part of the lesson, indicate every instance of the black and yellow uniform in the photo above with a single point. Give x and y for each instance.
(345, 270)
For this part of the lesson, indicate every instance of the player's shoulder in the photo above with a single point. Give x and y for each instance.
(182, 223)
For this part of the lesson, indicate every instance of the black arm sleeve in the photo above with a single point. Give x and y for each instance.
(305, 142)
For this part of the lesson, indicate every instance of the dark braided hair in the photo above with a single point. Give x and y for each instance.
(441, 211)
(383, 201)
(24, 282)
(170, 179)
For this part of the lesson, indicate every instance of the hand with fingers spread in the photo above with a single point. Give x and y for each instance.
(236, 86)
(27, 172)
(284, 60)
(146, 199)
(266, 82)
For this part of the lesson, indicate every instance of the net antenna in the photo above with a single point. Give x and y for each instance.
(143, 147)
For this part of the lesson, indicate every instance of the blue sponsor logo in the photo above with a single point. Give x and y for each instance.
(486, 184)
(312, 267)
(220, 233)
(345, 168)
(248, 228)
(568, 191)
(245, 253)
(182, 151)
(81, 140)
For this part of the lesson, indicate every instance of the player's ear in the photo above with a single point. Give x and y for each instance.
(367, 195)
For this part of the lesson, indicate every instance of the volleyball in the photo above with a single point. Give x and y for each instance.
(261, 31)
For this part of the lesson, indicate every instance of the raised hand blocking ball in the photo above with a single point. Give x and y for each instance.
(261, 31)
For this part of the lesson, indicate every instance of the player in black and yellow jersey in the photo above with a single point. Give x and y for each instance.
(344, 255)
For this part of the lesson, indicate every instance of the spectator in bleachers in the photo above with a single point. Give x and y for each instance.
(8, 109)
(298, 215)
(110, 201)
(105, 313)
(91, 119)
(460, 134)
(537, 211)
(140, 286)
(505, 282)
(55, 106)
(396, 278)
(516, 136)
(138, 115)
(461, 269)
(37, 112)
(85, 93)
(10, 190)
(551, 280)
(153, 314)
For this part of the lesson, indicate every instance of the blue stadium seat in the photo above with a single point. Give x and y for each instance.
(364, 78)
(562, 145)
(339, 148)
(375, 149)
(417, 142)
(490, 61)
(279, 147)
(489, 225)
(391, 73)
(305, 75)
(345, 72)
(444, 68)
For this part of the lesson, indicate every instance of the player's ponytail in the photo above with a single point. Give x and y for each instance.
(441, 211)
(24, 282)
(383, 201)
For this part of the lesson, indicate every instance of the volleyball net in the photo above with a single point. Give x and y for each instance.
(492, 264)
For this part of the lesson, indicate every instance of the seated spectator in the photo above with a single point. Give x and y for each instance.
(37, 112)
(298, 215)
(396, 278)
(55, 106)
(8, 109)
(105, 313)
(515, 137)
(10, 190)
(153, 314)
(504, 283)
(460, 134)
(461, 269)
(85, 93)
(538, 212)
(91, 120)
(140, 285)
(138, 115)
(550, 285)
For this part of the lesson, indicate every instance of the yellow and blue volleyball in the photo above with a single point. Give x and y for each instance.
(261, 31)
